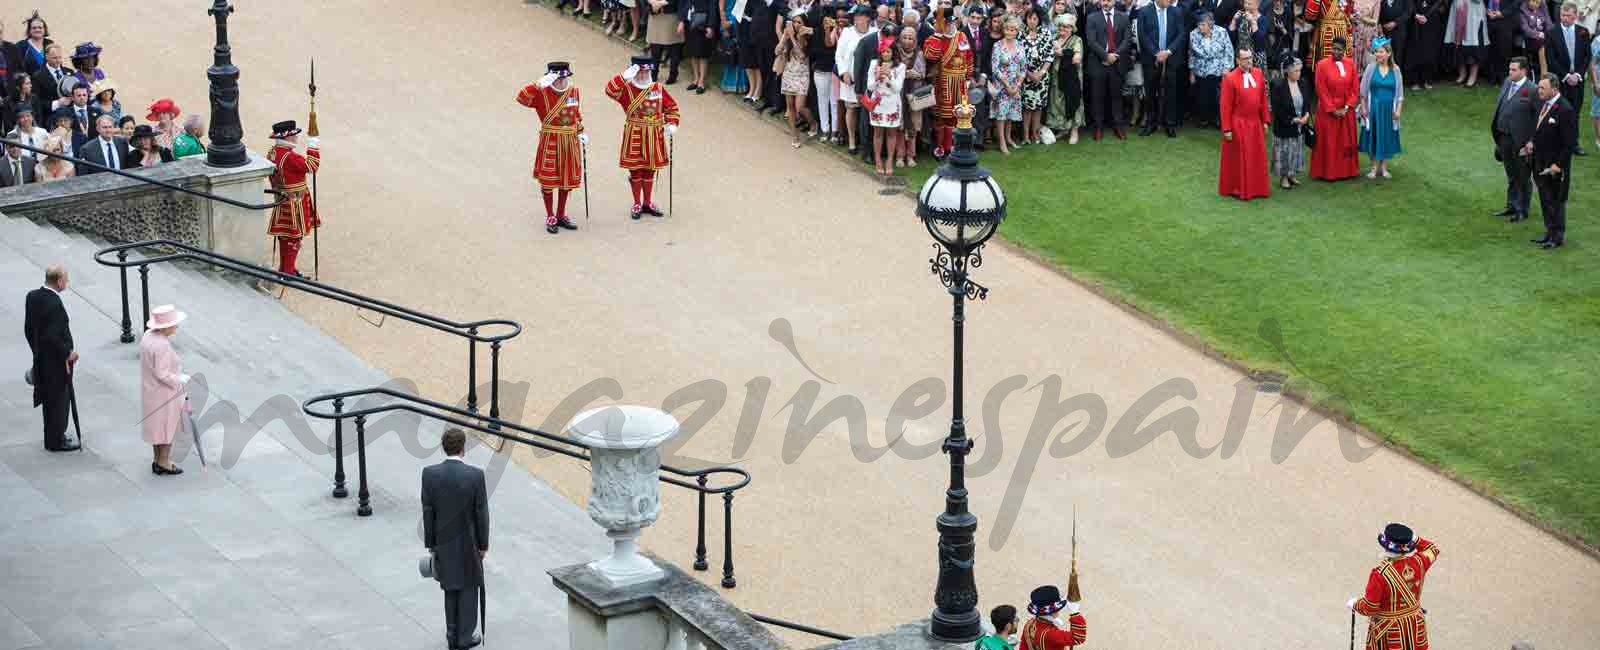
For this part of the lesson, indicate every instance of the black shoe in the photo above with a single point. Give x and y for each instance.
(566, 223)
(1542, 240)
(1549, 245)
(551, 229)
(1146, 131)
(671, 79)
(692, 87)
(1172, 132)
(1579, 152)
(71, 446)
(1517, 217)
(635, 213)
(1508, 212)
(652, 210)
(700, 90)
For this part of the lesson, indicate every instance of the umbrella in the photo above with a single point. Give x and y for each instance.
(188, 418)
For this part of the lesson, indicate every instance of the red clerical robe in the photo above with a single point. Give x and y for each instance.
(649, 110)
(558, 163)
(1393, 601)
(295, 216)
(954, 57)
(1244, 158)
(1335, 155)
(1039, 634)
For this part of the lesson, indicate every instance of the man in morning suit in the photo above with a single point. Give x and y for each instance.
(1553, 136)
(1109, 40)
(1567, 52)
(1163, 53)
(1514, 113)
(455, 528)
(16, 169)
(46, 327)
(109, 149)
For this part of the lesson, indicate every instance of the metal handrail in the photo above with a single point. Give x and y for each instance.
(79, 162)
(530, 436)
(800, 627)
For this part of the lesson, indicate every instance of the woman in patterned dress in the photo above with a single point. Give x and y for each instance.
(1363, 28)
(1009, 67)
(1039, 44)
(1066, 102)
(795, 65)
(886, 75)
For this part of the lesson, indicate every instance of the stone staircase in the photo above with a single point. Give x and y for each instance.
(251, 552)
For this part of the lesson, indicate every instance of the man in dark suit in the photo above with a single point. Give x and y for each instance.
(1567, 54)
(47, 81)
(455, 528)
(1163, 53)
(977, 31)
(49, 335)
(109, 149)
(84, 117)
(16, 169)
(1393, 18)
(1110, 44)
(1514, 114)
(1553, 136)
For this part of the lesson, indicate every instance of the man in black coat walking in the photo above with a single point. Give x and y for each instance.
(46, 327)
(1553, 136)
(455, 528)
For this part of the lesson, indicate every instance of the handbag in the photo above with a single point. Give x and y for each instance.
(921, 99)
(1310, 135)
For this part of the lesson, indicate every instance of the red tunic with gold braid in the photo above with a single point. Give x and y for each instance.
(558, 163)
(295, 216)
(1041, 634)
(649, 110)
(954, 57)
(1393, 601)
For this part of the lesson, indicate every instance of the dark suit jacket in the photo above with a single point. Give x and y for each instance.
(45, 92)
(866, 53)
(1192, 10)
(1095, 40)
(1515, 116)
(1177, 35)
(45, 325)
(1283, 106)
(94, 152)
(455, 522)
(1553, 137)
(8, 179)
(1555, 53)
(1395, 11)
(82, 132)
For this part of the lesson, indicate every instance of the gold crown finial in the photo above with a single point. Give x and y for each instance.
(964, 112)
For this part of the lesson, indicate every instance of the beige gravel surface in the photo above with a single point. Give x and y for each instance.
(428, 201)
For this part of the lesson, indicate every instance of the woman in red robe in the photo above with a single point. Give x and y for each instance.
(1338, 94)
(1244, 140)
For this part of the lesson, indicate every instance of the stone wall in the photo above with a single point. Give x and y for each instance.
(125, 210)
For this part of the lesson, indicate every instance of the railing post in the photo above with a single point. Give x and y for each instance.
(472, 370)
(727, 541)
(339, 491)
(494, 384)
(700, 528)
(144, 291)
(127, 321)
(364, 497)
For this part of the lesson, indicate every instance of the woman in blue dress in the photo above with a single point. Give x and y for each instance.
(1382, 95)
(733, 77)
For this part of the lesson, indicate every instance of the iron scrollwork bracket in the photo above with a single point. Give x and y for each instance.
(952, 271)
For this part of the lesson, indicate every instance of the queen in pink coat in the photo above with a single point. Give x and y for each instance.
(161, 382)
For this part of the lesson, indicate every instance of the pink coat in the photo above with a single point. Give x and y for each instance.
(161, 389)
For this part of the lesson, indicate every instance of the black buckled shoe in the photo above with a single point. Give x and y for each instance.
(566, 223)
(652, 210)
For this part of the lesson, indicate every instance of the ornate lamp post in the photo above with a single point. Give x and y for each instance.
(961, 207)
(227, 136)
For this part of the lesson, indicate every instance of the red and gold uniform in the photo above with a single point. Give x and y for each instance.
(1393, 600)
(558, 162)
(1043, 634)
(296, 215)
(1332, 18)
(953, 57)
(650, 109)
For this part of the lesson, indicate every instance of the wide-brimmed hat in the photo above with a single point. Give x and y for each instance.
(85, 50)
(67, 84)
(101, 86)
(1045, 601)
(284, 129)
(559, 68)
(165, 316)
(160, 106)
(143, 131)
(1398, 539)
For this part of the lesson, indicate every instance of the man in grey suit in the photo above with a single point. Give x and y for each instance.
(1515, 113)
(455, 528)
(15, 169)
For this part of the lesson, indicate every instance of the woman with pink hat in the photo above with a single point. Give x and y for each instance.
(162, 381)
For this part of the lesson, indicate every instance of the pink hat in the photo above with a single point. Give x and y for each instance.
(165, 316)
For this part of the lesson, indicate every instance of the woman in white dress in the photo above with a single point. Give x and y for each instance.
(1466, 37)
(886, 75)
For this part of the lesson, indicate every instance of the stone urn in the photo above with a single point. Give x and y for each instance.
(624, 490)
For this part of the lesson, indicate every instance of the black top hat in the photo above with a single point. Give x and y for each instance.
(559, 68)
(284, 129)
(644, 62)
(1045, 601)
(143, 131)
(1398, 538)
(86, 50)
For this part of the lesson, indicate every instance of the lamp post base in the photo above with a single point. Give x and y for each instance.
(964, 628)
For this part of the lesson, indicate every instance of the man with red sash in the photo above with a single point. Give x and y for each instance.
(1393, 600)
(950, 59)
(1338, 94)
(1046, 632)
(296, 215)
(558, 164)
(652, 117)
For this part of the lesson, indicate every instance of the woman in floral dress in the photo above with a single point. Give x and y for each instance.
(1363, 28)
(1039, 44)
(1009, 67)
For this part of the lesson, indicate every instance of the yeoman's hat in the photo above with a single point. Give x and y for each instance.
(644, 62)
(559, 68)
(284, 129)
(1045, 601)
(1398, 539)
(164, 316)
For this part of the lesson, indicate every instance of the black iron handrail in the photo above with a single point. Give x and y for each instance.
(530, 436)
(801, 627)
(79, 162)
(472, 331)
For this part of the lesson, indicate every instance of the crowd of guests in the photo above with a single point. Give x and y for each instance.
(61, 101)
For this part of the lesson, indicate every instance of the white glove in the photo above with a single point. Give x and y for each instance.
(631, 72)
(1072, 607)
(312, 143)
(183, 379)
(584, 139)
(1350, 604)
(548, 79)
(671, 129)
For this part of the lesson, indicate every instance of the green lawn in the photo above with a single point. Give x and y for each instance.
(1442, 328)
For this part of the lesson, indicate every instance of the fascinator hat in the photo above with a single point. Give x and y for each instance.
(1380, 43)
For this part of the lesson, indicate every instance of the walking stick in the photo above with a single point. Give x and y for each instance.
(312, 131)
(585, 149)
(72, 401)
(671, 162)
(1352, 629)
